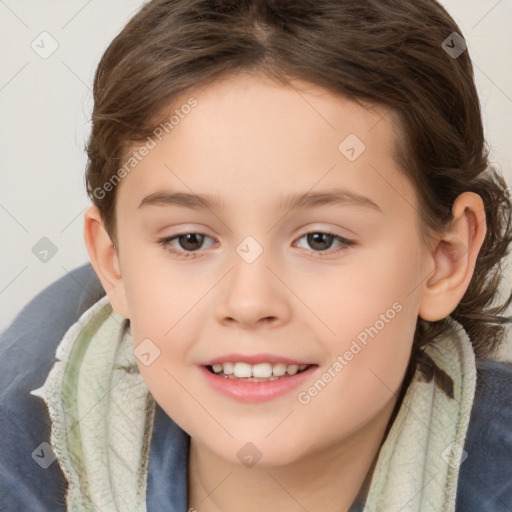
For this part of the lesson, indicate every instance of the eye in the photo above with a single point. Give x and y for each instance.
(321, 242)
(191, 242)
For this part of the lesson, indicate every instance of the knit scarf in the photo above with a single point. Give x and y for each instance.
(102, 416)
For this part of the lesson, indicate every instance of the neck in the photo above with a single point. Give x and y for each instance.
(328, 480)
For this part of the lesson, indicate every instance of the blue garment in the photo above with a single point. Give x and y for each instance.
(27, 353)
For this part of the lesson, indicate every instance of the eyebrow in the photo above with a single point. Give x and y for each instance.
(305, 200)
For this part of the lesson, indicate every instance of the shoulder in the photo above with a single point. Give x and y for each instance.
(485, 476)
(27, 353)
(27, 346)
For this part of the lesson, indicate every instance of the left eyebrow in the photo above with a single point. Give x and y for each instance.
(301, 200)
(328, 197)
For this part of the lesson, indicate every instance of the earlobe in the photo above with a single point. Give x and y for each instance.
(454, 256)
(104, 259)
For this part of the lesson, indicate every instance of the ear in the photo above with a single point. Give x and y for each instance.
(453, 257)
(104, 259)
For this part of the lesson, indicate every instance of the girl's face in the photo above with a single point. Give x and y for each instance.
(329, 283)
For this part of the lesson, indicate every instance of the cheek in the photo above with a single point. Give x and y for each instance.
(374, 318)
(161, 294)
(363, 375)
(370, 289)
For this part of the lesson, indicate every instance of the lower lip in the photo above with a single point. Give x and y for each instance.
(253, 392)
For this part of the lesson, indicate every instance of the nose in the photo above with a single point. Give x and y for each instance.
(253, 296)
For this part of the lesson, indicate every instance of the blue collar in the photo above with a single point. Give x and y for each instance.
(168, 463)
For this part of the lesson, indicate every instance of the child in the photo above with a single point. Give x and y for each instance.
(258, 369)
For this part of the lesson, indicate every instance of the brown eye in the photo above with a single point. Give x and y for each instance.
(184, 244)
(190, 241)
(321, 242)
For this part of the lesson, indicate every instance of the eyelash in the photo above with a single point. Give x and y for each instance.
(165, 243)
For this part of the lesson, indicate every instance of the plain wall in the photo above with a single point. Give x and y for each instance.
(46, 104)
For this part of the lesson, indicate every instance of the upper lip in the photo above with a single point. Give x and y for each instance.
(253, 359)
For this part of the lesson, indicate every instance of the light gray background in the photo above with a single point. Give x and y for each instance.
(46, 104)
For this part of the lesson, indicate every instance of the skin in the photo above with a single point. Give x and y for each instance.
(251, 142)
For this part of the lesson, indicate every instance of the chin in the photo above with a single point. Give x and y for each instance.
(257, 453)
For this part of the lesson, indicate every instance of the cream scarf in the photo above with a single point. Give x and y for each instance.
(102, 421)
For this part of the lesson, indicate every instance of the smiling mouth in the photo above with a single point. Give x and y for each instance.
(263, 372)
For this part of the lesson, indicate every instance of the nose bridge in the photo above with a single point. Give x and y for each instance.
(253, 292)
(250, 277)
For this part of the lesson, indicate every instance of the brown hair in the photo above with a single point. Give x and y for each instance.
(382, 52)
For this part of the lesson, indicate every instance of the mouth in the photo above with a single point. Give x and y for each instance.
(257, 378)
(261, 372)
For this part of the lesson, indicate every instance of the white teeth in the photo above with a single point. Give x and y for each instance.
(279, 369)
(292, 369)
(228, 368)
(260, 370)
(242, 370)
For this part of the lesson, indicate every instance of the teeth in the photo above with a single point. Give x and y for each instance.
(262, 370)
(279, 370)
(227, 368)
(242, 370)
(292, 369)
(259, 371)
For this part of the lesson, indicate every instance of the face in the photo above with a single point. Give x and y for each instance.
(328, 283)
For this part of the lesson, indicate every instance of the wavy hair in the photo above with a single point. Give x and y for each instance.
(391, 53)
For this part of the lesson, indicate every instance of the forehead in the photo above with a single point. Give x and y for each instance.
(250, 138)
(256, 109)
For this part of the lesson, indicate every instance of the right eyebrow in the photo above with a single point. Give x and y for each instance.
(185, 199)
